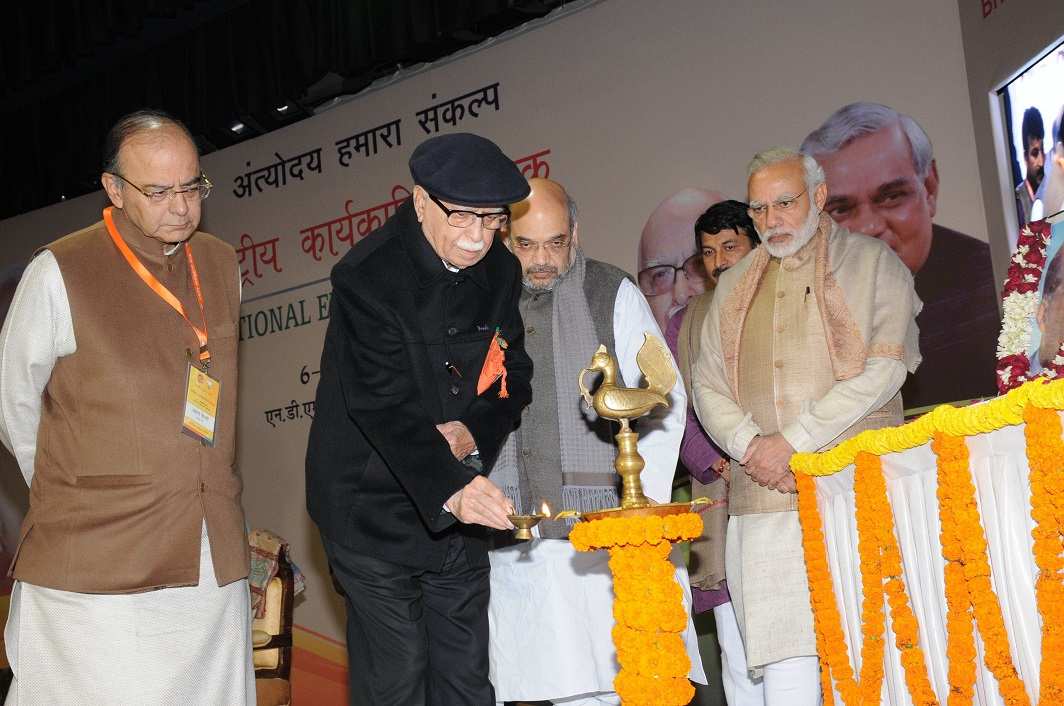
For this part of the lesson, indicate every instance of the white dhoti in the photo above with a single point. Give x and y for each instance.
(769, 588)
(188, 645)
(551, 617)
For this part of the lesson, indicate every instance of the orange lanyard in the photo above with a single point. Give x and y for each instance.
(160, 289)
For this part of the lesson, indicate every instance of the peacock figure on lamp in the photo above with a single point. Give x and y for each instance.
(621, 404)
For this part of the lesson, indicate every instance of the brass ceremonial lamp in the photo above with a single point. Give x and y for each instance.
(622, 404)
(523, 524)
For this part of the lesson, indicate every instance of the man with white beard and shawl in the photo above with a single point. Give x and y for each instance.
(807, 342)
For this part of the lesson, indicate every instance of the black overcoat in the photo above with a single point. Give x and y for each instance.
(404, 347)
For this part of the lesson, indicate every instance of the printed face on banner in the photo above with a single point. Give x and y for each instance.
(1048, 334)
(670, 265)
(155, 160)
(873, 188)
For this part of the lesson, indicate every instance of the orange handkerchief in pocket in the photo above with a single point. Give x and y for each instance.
(494, 366)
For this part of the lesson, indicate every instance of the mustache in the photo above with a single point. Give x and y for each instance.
(470, 245)
(541, 270)
(718, 271)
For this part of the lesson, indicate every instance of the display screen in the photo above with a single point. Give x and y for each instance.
(1033, 103)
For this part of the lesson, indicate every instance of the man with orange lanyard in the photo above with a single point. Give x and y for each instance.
(118, 399)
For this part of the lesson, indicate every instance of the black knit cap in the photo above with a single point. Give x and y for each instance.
(467, 170)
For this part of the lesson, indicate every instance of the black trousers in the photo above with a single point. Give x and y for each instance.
(415, 637)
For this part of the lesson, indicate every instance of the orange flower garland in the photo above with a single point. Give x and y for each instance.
(903, 621)
(964, 546)
(1045, 452)
(827, 625)
(648, 606)
(880, 559)
(960, 635)
(970, 597)
(870, 550)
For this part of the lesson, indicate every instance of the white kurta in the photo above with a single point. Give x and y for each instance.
(551, 609)
(188, 645)
(764, 560)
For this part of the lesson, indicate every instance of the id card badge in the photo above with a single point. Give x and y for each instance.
(202, 394)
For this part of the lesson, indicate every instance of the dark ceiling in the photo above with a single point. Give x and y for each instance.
(70, 69)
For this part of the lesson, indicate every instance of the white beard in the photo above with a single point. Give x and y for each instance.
(797, 241)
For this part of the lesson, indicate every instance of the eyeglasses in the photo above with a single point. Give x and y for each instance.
(660, 279)
(783, 203)
(197, 191)
(463, 219)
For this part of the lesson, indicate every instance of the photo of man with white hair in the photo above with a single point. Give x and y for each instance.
(883, 181)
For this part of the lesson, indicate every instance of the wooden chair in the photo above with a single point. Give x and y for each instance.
(271, 639)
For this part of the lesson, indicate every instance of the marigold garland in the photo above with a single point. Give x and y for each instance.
(960, 633)
(970, 596)
(648, 604)
(880, 574)
(968, 584)
(992, 415)
(1045, 452)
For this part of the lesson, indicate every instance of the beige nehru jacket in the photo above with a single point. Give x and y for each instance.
(811, 366)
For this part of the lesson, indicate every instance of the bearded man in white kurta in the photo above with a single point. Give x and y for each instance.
(808, 341)
(118, 398)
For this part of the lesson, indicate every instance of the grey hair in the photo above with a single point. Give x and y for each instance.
(856, 120)
(570, 206)
(814, 173)
(132, 124)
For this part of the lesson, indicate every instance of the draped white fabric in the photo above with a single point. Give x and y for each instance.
(999, 467)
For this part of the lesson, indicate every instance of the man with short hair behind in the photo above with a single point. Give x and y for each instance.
(423, 376)
(806, 343)
(724, 235)
(1032, 136)
(551, 607)
(118, 381)
(883, 181)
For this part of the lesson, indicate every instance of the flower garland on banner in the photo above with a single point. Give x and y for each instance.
(969, 593)
(1045, 452)
(648, 605)
(1019, 302)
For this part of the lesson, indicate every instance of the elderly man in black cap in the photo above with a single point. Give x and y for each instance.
(423, 376)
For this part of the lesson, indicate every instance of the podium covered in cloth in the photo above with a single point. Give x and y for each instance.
(934, 555)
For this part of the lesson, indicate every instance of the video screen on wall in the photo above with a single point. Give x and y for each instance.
(1034, 105)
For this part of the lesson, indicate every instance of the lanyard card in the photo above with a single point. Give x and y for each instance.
(201, 405)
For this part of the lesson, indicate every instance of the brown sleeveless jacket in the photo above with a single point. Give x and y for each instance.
(118, 492)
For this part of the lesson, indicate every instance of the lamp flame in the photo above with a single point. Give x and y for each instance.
(545, 509)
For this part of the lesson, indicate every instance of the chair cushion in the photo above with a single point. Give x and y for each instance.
(271, 621)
